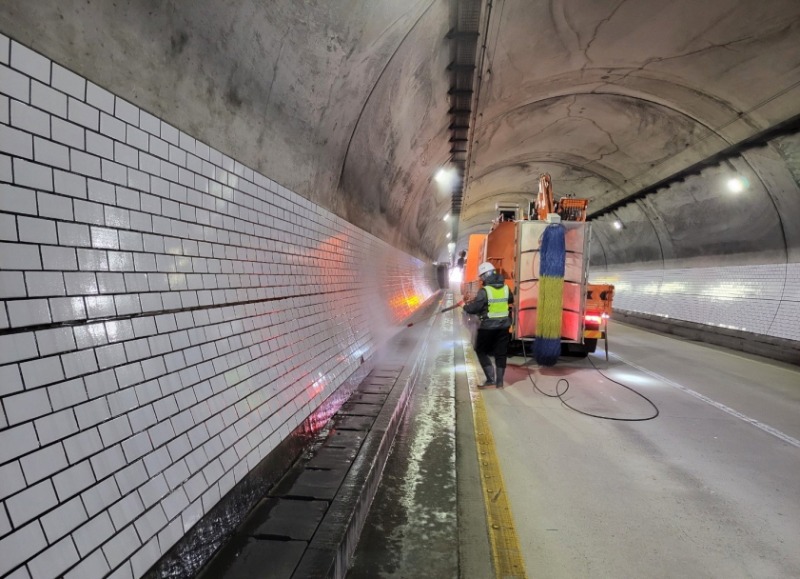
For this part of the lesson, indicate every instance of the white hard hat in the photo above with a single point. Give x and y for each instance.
(485, 268)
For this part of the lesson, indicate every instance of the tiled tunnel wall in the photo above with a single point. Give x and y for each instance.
(763, 299)
(167, 317)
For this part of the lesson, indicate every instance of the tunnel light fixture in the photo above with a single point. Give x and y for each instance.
(446, 216)
(736, 184)
(445, 177)
(617, 224)
(448, 236)
(451, 247)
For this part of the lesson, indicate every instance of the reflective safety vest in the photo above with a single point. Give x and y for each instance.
(498, 301)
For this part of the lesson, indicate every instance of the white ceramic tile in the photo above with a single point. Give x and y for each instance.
(57, 426)
(20, 545)
(5, 164)
(100, 146)
(33, 230)
(92, 413)
(89, 212)
(126, 511)
(16, 200)
(69, 184)
(28, 312)
(99, 98)
(5, 49)
(93, 565)
(50, 283)
(82, 114)
(126, 112)
(52, 101)
(41, 371)
(131, 477)
(55, 206)
(12, 284)
(93, 533)
(31, 502)
(55, 340)
(78, 363)
(13, 479)
(15, 84)
(50, 153)
(92, 260)
(84, 164)
(30, 119)
(111, 355)
(55, 560)
(120, 261)
(31, 175)
(44, 463)
(68, 133)
(128, 375)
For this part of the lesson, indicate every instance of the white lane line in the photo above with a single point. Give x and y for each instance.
(765, 427)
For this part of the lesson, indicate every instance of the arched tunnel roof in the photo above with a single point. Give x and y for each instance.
(644, 107)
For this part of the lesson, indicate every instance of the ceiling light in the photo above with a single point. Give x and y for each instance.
(447, 216)
(617, 224)
(735, 185)
(445, 177)
(448, 236)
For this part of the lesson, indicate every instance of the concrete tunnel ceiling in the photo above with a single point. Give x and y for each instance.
(347, 104)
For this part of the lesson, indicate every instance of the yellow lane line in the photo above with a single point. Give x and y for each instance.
(506, 553)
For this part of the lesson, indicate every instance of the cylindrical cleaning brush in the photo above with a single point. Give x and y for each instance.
(552, 260)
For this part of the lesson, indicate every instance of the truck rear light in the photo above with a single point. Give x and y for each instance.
(593, 318)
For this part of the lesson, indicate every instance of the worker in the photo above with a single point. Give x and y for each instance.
(492, 304)
(462, 260)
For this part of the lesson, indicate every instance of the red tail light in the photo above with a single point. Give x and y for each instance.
(593, 318)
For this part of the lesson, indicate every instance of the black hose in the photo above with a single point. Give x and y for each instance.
(560, 395)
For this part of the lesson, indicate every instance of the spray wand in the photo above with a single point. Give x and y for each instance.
(447, 309)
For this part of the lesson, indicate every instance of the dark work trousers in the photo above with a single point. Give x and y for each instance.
(492, 343)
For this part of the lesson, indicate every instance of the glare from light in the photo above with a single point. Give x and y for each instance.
(735, 185)
(446, 217)
(451, 247)
(445, 177)
(617, 224)
(455, 274)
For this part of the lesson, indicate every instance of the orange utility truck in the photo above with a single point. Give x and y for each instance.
(512, 246)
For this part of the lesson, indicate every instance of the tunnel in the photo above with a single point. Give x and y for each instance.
(230, 340)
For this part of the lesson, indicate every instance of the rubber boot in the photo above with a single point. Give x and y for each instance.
(500, 374)
(489, 371)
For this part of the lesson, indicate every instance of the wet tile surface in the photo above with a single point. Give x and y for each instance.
(353, 422)
(317, 484)
(357, 409)
(376, 388)
(257, 559)
(367, 398)
(331, 457)
(345, 438)
(286, 518)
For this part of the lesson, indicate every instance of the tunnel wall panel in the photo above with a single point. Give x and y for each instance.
(763, 299)
(167, 317)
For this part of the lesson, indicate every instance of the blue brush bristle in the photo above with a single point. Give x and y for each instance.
(553, 251)
(552, 261)
(546, 351)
